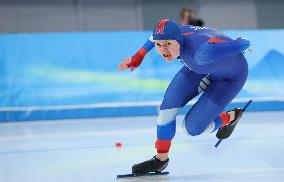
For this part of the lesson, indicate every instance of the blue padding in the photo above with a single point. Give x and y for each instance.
(62, 69)
(255, 106)
(121, 111)
(78, 113)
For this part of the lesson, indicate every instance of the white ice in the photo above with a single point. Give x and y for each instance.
(84, 151)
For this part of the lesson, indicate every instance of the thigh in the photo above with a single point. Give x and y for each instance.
(222, 92)
(182, 89)
(212, 102)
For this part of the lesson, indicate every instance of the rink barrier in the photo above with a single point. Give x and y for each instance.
(117, 110)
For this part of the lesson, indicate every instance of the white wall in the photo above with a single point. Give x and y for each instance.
(26, 16)
(69, 15)
(229, 14)
(116, 15)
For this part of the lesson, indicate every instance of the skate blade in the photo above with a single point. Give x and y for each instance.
(218, 143)
(148, 174)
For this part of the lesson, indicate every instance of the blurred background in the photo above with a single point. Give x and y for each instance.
(124, 15)
(59, 58)
(62, 96)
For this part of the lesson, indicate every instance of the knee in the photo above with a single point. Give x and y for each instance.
(193, 130)
(193, 127)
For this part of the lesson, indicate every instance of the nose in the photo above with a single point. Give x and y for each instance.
(165, 50)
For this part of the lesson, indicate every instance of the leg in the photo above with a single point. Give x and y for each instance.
(204, 115)
(182, 88)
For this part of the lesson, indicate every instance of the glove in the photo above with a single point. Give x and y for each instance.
(133, 62)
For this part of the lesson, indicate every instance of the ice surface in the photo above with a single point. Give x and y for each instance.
(84, 151)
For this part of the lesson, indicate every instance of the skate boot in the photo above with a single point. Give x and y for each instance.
(152, 165)
(228, 129)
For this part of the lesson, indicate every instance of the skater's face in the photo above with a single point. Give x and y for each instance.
(168, 49)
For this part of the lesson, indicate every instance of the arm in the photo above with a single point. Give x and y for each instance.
(149, 44)
(215, 48)
(137, 58)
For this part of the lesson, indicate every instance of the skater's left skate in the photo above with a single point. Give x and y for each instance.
(226, 131)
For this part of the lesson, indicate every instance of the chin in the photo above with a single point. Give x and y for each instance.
(169, 60)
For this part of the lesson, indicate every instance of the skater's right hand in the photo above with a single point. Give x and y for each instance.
(131, 63)
(126, 64)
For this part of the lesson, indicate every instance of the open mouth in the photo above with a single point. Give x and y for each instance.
(166, 56)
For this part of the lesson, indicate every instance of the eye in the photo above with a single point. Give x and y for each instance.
(157, 44)
(168, 44)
